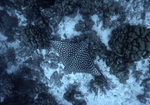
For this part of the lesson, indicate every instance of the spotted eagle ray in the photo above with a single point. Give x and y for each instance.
(75, 57)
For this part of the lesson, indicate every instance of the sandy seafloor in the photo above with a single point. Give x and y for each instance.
(120, 94)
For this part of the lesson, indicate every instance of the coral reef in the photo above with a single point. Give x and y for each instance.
(5, 3)
(66, 7)
(74, 96)
(118, 66)
(34, 15)
(143, 97)
(106, 9)
(128, 44)
(17, 89)
(131, 42)
(6, 60)
(86, 7)
(84, 26)
(3, 63)
(8, 25)
(35, 37)
(6, 85)
(99, 82)
(45, 98)
(10, 55)
(110, 9)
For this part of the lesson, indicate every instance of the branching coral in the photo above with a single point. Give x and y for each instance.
(74, 96)
(131, 42)
(119, 67)
(22, 88)
(99, 82)
(35, 37)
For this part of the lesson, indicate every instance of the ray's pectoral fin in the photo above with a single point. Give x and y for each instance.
(84, 43)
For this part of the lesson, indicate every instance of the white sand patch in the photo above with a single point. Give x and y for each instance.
(134, 10)
(66, 28)
(21, 18)
(2, 37)
(113, 18)
(47, 70)
(142, 66)
(147, 19)
(1, 8)
(104, 34)
(14, 44)
(80, 79)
